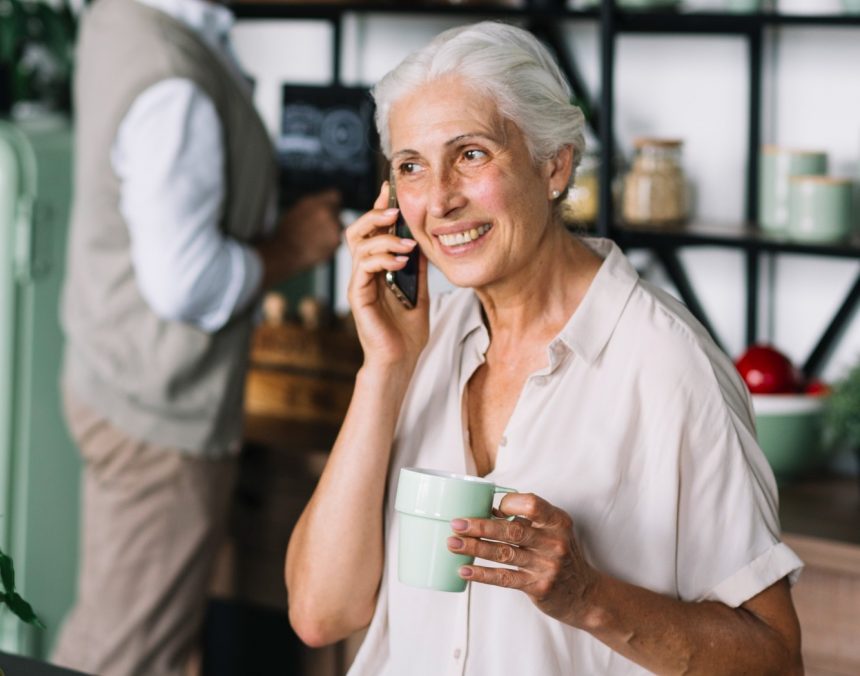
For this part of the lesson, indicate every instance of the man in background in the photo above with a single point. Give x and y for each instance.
(174, 236)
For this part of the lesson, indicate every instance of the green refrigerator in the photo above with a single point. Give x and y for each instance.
(39, 466)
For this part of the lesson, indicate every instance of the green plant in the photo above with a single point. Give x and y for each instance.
(36, 53)
(842, 413)
(11, 598)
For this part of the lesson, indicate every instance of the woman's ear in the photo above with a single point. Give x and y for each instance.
(558, 168)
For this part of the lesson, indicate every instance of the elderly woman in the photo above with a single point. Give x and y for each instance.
(649, 539)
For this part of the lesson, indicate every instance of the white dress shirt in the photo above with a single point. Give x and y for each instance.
(638, 427)
(169, 157)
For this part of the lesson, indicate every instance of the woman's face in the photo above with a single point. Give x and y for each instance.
(467, 186)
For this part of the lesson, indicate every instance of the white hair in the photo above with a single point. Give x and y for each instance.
(505, 62)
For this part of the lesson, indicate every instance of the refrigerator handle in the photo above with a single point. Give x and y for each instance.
(24, 235)
(31, 224)
(33, 240)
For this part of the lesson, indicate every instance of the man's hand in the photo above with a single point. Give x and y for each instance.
(308, 233)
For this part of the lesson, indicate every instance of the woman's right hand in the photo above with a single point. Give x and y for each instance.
(390, 334)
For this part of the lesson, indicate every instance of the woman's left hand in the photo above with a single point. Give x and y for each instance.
(540, 543)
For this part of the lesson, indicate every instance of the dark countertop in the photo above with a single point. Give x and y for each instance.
(825, 507)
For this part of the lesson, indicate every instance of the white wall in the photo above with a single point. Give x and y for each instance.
(693, 87)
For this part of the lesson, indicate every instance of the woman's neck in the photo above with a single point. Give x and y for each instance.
(534, 306)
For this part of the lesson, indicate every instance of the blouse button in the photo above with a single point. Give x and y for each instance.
(503, 441)
(457, 653)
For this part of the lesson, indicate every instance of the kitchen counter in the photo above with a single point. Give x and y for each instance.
(821, 523)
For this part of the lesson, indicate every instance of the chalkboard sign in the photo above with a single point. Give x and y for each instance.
(328, 139)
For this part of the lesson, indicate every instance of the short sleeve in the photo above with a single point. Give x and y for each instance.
(729, 545)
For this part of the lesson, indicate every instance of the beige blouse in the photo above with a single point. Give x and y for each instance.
(639, 428)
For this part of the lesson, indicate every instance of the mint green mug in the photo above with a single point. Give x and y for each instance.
(427, 500)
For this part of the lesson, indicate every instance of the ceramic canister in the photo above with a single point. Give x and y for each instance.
(819, 208)
(634, 4)
(647, 4)
(776, 167)
(741, 6)
(808, 7)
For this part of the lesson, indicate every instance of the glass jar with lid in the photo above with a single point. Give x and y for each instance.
(655, 190)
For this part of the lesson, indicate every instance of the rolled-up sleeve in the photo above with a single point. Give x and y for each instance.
(169, 157)
(729, 546)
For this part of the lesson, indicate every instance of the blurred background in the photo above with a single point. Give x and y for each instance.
(711, 82)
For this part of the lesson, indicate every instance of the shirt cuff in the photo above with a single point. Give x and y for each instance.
(777, 562)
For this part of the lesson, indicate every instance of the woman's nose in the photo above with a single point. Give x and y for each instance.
(446, 194)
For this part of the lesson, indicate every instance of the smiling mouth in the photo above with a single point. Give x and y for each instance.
(461, 238)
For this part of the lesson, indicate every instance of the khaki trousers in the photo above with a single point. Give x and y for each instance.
(152, 521)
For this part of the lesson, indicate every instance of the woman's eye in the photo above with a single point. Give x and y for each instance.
(474, 154)
(408, 168)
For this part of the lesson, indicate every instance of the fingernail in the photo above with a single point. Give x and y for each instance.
(391, 212)
(465, 572)
(459, 524)
(401, 259)
(455, 543)
(406, 241)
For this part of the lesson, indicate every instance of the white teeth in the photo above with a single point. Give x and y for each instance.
(464, 237)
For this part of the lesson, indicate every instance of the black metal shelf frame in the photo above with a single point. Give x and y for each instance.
(638, 21)
(544, 18)
(289, 10)
(666, 245)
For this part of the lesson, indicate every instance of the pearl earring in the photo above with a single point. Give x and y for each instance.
(554, 194)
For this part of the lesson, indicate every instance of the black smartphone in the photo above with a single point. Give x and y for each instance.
(404, 282)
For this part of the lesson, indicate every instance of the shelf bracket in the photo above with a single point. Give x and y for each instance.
(755, 42)
(678, 275)
(606, 206)
(336, 39)
(752, 284)
(833, 330)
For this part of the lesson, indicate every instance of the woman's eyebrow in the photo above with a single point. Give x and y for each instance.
(406, 152)
(409, 152)
(465, 137)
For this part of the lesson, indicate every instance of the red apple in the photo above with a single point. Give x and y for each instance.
(766, 370)
(817, 388)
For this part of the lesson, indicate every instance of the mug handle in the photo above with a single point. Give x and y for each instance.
(502, 489)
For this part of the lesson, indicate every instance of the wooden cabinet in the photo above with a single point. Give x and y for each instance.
(297, 392)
